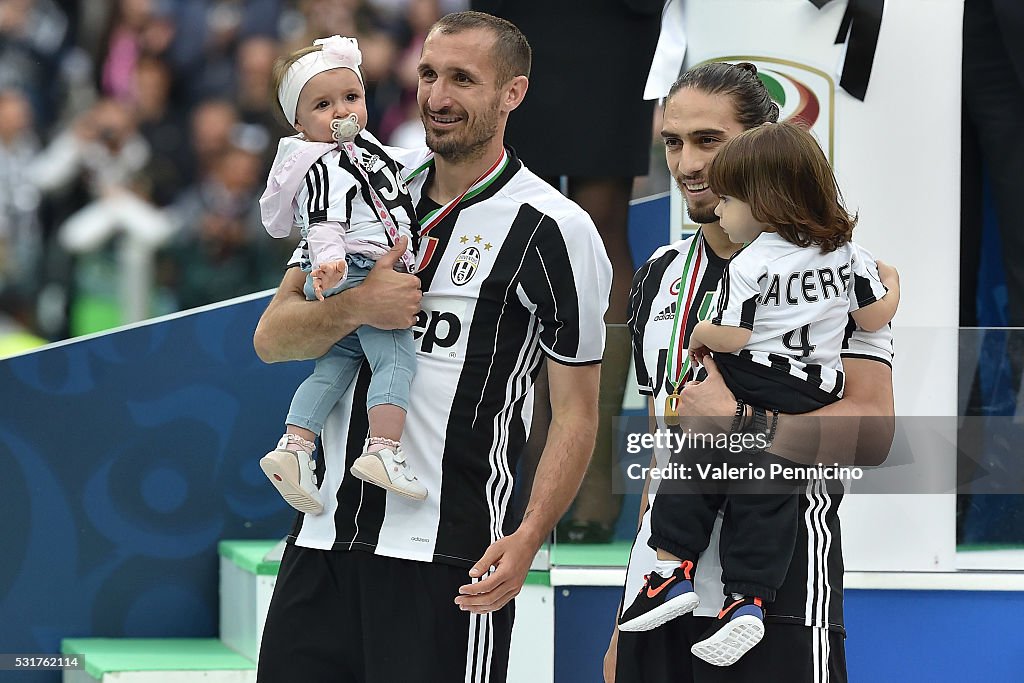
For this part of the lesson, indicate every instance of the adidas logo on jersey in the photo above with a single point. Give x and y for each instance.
(369, 162)
(668, 314)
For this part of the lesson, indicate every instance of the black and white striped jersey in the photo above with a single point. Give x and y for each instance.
(513, 274)
(796, 302)
(860, 344)
(336, 190)
(654, 302)
(812, 592)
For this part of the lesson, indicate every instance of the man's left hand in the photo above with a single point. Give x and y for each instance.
(511, 558)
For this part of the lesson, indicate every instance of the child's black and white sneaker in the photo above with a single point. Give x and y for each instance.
(738, 628)
(661, 599)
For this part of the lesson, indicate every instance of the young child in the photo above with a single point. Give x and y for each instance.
(337, 183)
(783, 306)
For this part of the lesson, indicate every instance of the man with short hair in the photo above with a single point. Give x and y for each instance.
(380, 589)
(707, 106)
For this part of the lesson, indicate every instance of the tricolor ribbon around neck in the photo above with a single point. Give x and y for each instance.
(678, 365)
(381, 208)
(428, 222)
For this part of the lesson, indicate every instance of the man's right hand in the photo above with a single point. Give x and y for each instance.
(390, 300)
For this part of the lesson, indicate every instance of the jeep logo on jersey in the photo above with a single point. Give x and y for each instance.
(465, 265)
(439, 325)
(436, 328)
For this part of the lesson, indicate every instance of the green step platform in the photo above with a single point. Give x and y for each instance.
(249, 556)
(148, 660)
(614, 554)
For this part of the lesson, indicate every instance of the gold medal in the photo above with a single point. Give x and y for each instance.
(672, 410)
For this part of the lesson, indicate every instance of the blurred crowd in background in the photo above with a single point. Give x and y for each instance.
(135, 139)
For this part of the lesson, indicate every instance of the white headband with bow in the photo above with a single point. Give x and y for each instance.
(336, 52)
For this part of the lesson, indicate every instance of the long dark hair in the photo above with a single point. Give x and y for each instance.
(781, 172)
(754, 105)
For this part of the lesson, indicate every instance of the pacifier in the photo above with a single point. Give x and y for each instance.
(343, 130)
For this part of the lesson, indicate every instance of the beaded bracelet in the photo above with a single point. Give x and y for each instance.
(759, 420)
(771, 432)
(738, 418)
(761, 426)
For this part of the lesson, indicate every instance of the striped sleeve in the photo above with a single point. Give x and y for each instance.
(636, 330)
(877, 346)
(738, 291)
(865, 286)
(567, 276)
(858, 343)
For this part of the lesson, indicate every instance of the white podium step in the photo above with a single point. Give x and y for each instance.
(248, 572)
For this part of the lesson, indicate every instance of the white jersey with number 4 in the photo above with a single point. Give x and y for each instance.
(796, 302)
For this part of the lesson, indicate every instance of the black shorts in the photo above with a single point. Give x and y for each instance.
(790, 653)
(355, 617)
